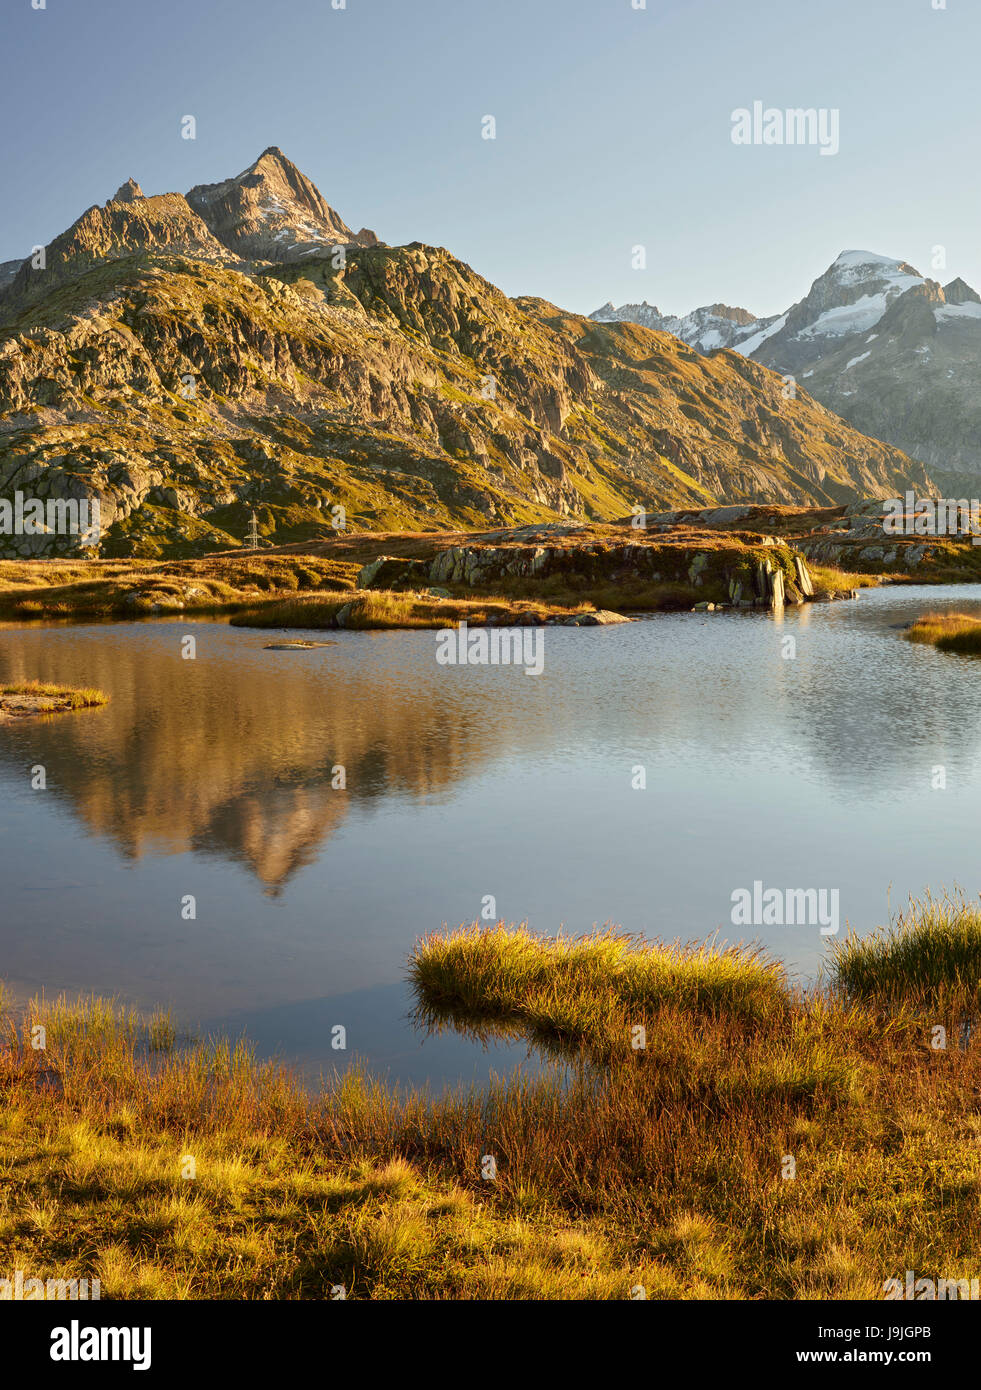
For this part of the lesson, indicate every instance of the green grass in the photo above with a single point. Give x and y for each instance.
(948, 632)
(577, 995)
(663, 1165)
(930, 956)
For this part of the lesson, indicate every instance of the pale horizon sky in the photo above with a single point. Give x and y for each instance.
(613, 130)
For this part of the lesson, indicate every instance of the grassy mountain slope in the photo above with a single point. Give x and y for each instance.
(149, 366)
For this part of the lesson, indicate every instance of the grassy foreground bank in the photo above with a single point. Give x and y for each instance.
(760, 1142)
(262, 591)
(295, 587)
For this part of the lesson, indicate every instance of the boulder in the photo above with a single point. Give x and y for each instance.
(392, 572)
(601, 618)
(804, 581)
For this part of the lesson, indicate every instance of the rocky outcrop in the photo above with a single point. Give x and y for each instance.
(391, 572)
(117, 231)
(755, 572)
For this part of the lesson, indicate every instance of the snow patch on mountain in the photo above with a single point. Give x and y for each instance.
(749, 345)
(957, 311)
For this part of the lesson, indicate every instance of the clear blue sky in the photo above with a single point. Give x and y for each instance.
(613, 129)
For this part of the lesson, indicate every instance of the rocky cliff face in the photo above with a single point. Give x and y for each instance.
(160, 363)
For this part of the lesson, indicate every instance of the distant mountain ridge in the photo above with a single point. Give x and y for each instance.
(895, 353)
(713, 326)
(189, 359)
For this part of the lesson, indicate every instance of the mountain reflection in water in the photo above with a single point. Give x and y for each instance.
(215, 778)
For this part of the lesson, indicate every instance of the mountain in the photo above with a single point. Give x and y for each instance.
(187, 360)
(896, 354)
(273, 212)
(714, 326)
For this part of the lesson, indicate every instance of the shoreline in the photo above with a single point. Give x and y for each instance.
(715, 1160)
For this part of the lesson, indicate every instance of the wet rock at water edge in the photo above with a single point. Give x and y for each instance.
(295, 646)
(603, 617)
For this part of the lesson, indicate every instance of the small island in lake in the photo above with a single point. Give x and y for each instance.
(25, 698)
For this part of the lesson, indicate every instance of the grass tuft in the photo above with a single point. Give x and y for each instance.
(948, 632)
(41, 697)
(930, 954)
(583, 994)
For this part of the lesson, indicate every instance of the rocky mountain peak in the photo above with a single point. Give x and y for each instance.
(856, 277)
(128, 192)
(727, 311)
(272, 211)
(896, 354)
(848, 299)
(960, 292)
(643, 313)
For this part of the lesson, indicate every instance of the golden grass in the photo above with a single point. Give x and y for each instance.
(46, 697)
(948, 632)
(385, 609)
(830, 579)
(930, 957)
(628, 595)
(137, 588)
(583, 994)
(762, 1142)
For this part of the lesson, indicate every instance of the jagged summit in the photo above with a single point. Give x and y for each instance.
(271, 211)
(128, 192)
(960, 292)
(887, 348)
(163, 224)
(712, 326)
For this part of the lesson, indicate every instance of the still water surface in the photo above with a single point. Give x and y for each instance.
(213, 777)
